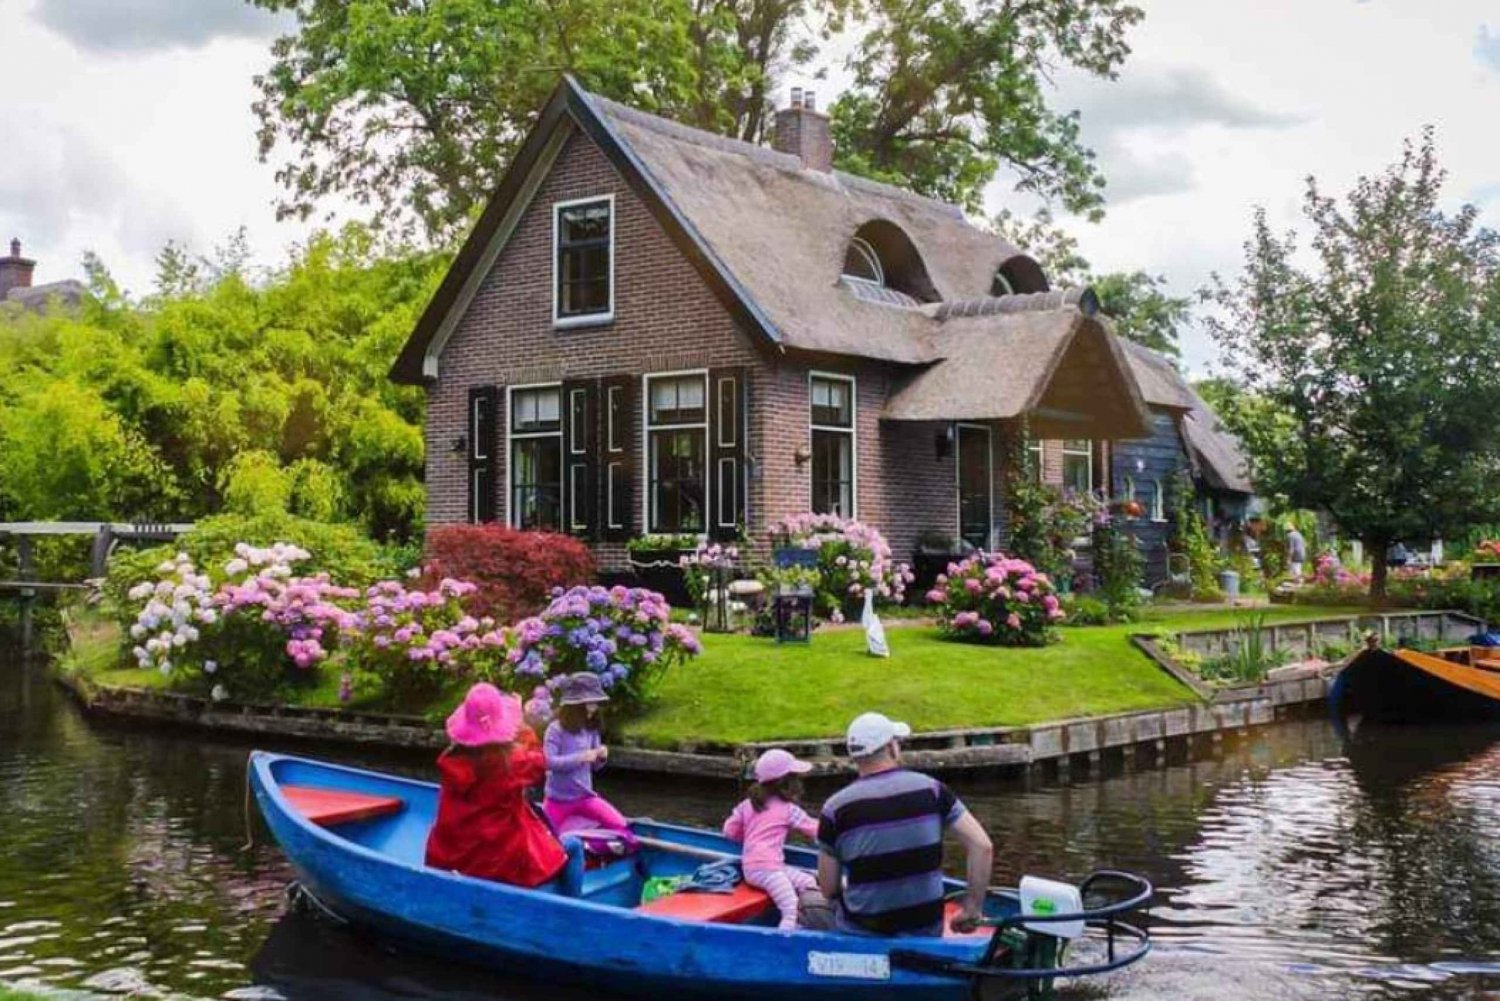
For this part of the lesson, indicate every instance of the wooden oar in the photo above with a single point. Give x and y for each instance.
(691, 851)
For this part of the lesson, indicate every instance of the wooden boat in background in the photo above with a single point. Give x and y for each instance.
(356, 840)
(1458, 685)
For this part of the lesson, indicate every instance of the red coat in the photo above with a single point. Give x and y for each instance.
(485, 827)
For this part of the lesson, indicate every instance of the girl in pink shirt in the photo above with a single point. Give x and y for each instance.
(761, 823)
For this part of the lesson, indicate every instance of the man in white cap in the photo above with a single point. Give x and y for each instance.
(881, 841)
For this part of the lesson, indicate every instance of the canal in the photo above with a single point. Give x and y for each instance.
(1288, 866)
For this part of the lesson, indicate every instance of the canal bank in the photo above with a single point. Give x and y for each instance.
(1209, 713)
(1286, 863)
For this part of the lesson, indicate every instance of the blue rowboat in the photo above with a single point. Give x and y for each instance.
(356, 840)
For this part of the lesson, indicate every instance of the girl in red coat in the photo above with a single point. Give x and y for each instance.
(485, 827)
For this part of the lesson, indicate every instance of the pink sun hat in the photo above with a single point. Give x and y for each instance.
(486, 716)
(778, 764)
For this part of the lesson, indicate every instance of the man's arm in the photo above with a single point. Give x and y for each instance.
(979, 852)
(830, 876)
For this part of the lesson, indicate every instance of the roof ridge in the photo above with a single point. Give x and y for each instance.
(767, 155)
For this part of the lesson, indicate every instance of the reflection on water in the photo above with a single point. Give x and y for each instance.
(1288, 866)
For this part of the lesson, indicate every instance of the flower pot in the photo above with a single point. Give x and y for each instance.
(661, 571)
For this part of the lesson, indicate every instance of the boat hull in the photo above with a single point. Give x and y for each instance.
(543, 937)
(1406, 687)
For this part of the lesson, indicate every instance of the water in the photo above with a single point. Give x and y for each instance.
(1287, 868)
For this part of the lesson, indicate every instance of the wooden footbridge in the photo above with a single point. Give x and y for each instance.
(107, 535)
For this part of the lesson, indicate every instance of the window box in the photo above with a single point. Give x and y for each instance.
(657, 562)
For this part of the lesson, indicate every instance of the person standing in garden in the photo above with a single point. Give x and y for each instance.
(1296, 552)
(881, 842)
(575, 751)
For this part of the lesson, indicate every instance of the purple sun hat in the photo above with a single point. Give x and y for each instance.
(581, 689)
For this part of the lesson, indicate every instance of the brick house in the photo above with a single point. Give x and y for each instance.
(16, 286)
(657, 330)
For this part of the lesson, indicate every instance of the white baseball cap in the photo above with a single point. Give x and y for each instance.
(871, 731)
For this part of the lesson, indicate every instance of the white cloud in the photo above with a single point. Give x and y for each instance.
(1487, 47)
(143, 25)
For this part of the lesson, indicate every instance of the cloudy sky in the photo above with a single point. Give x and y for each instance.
(126, 123)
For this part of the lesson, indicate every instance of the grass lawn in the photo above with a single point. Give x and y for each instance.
(745, 688)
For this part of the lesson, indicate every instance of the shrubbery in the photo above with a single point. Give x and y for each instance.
(1118, 568)
(852, 558)
(514, 571)
(992, 598)
(624, 635)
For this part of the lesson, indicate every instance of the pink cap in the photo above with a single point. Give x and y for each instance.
(486, 716)
(777, 764)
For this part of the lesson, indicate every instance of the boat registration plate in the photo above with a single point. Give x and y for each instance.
(854, 965)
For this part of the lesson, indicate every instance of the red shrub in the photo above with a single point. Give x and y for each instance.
(515, 570)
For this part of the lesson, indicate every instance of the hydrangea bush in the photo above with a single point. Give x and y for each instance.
(698, 567)
(993, 598)
(412, 640)
(852, 558)
(624, 635)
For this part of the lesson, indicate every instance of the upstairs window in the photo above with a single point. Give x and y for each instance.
(583, 235)
(862, 263)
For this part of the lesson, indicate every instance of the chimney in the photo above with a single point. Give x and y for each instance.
(803, 131)
(15, 270)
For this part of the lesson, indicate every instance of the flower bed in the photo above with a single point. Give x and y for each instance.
(992, 598)
(852, 558)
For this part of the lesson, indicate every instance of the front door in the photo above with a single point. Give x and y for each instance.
(974, 485)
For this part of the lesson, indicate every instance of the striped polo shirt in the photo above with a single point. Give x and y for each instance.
(887, 831)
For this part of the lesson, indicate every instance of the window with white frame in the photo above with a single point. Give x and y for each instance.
(1158, 507)
(1034, 458)
(1078, 464)
(535, 435)
(583, 270)
(676, 452)
(832, 423)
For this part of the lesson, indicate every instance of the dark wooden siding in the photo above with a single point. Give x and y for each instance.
(1142, 463)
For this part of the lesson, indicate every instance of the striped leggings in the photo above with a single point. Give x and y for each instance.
(783, 885)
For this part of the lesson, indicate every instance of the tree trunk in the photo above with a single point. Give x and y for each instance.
(1377, 549)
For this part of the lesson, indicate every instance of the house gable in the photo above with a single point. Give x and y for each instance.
(569, 113)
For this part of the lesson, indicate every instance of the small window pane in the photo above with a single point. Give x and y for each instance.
(534, 410)
(536, 483)
(862, 263)
(678, 400)
(832, 403)
(833, 473)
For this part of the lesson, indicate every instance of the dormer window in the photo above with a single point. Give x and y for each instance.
(862, 263)
(583, 263)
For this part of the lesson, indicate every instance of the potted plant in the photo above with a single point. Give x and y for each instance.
(657, 561)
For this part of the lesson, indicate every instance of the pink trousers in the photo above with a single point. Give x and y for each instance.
(783, 885)
(589, 813)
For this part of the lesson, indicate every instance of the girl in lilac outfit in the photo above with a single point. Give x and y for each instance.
(762, 821)
(574, 753)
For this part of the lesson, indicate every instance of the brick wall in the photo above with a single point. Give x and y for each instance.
(666, 318)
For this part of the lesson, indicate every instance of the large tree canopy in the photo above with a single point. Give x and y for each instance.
(413, 107)
(1380, 345)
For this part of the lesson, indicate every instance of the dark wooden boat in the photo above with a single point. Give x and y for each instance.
(1458, 685)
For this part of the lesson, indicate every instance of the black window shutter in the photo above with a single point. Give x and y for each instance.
(618, 451)
(484, 441)
(726, 439)
(580, 426)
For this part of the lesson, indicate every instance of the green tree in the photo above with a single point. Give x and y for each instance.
(1136, 301)
(415, 107)
(1381, 349)
(946, 93)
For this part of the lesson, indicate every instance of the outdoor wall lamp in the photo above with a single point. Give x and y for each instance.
(943, 441)
(460, 445)
(802, 454)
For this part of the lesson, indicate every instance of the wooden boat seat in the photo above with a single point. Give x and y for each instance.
(327, 807)
(745, 903)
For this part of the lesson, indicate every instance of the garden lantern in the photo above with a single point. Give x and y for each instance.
(792, 610)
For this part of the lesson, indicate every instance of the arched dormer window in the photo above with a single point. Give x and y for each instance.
(862, 263)
(880, 253)
(1019, 275)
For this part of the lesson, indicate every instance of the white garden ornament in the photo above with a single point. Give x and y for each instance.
(874, 628)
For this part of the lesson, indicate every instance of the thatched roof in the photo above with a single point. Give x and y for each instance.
(1216, 453)
(1161, 384)
(1059, 367)
(769, 236)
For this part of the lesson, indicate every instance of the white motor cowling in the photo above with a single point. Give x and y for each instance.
(1044, 898)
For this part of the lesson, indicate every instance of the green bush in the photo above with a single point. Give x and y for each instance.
(1118, 569)
(1086, 611)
